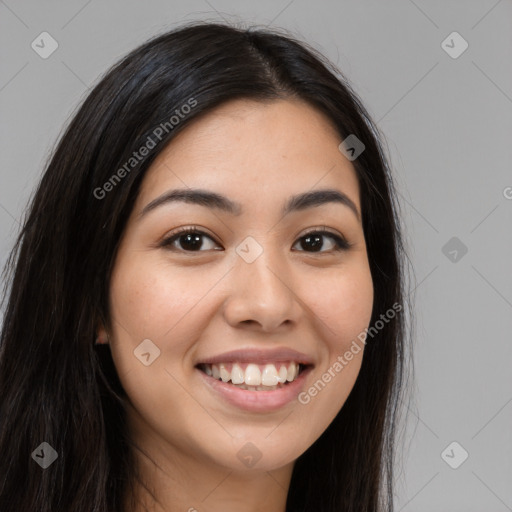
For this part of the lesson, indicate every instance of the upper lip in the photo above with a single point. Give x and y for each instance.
(257, 355)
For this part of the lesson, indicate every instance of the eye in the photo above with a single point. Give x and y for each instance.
(313, 240)
(189, 238)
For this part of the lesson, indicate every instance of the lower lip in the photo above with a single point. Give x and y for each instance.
(257, 401)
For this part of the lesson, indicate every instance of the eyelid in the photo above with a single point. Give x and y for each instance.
(188, 229)
(322, 229)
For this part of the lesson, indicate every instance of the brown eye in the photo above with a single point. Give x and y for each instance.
(190, 240)
(314, 240)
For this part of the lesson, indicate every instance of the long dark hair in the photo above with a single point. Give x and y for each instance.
(57, 386)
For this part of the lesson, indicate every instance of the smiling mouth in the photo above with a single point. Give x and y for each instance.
(255, 377)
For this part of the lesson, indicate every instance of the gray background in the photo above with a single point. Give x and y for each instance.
(448, 124)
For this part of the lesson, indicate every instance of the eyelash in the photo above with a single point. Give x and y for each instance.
(341, 243)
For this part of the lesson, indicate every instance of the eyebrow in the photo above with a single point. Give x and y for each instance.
(216, 201)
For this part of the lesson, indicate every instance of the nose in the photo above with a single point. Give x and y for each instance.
(262, 295)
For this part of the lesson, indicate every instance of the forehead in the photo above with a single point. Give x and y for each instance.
(253, 151)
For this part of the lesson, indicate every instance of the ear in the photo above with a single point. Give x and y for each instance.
(101, 336)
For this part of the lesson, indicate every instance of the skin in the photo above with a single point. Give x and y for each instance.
(194, 304)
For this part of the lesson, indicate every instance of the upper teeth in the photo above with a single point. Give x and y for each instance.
(254, 375)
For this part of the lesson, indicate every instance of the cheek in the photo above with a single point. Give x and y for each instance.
(344, 304)
(150, 299)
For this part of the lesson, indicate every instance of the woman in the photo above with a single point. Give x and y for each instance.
(205, 300)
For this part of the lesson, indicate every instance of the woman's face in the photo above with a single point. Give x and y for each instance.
(249, 289)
